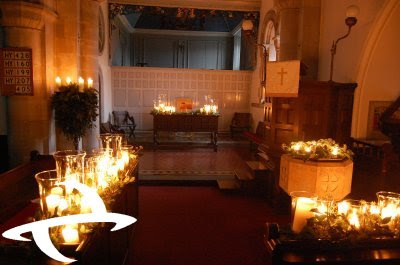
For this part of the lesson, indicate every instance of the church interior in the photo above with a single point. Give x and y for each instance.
(199, 132)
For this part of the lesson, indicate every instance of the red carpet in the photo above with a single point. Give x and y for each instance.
(199, 225)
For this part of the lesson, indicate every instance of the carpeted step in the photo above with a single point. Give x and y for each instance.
(256, 165)
(228, 184)
(243, 175)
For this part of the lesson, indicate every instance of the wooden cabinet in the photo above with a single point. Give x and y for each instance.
(321, 110)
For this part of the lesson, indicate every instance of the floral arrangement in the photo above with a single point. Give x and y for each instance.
(323, 149)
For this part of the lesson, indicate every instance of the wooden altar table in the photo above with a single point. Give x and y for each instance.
(186, 123)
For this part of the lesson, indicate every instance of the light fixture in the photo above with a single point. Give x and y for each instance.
(248, 29)
(351, 19)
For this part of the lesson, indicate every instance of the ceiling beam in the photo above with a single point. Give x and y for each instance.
(233, 5)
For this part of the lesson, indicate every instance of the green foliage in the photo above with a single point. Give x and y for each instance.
(75, 111)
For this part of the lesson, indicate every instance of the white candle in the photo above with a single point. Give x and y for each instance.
(56, 191)
(343, 207)
(52, 201)
(62, 205)
(58, 82)
(120, 164)
(85, 205)
(302, 213)
(81, 84)
(70, 235)
(389, 211)
(90, 82)
(353, 219)
(68, 80)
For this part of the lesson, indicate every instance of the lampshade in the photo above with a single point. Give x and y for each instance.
(247, 24)
(352, 11)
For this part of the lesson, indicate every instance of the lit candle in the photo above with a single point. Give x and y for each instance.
(125, 157)
(302, 213)
(68, 80)
(70, 235)
(353, 219)
(62, 205)
(52, 201)
(389, 211)
(85, 205)
(58, 82)
(81, 83)
(374, 209)
(90, 82)
(296, 147)
(120, 164)
(335, 151)
(322, 208)
(343, 207)
(57, 191)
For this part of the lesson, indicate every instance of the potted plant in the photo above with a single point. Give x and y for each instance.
(75, 111)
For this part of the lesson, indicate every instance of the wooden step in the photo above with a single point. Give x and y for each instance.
(256, 165)
(243, 175)
(228, 184)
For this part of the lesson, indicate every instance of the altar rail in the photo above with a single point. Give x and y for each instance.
(135, 88)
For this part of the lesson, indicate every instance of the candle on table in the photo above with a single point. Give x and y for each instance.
(302, 213)
(58, 82)
(353, 219)
(343, 207)
(57, 191)
(52, 201)
(90, 82)
(70, 235)
(81, 83)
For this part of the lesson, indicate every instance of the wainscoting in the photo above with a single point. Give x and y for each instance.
(135, 88)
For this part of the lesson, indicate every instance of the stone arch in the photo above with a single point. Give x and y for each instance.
(368, 52)
(269, 33)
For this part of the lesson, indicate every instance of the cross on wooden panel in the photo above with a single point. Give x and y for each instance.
(282, 73)
(283, 79)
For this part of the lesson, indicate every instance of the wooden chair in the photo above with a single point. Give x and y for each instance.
(107, 127)
(123, 121)
(240, 123)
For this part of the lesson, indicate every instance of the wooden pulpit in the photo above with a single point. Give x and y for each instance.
(321, 110)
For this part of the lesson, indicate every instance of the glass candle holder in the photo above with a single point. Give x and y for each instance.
(111, 141)
(302, 204)
(53, 200)
(389, 203)
(70, 164)
(92, 170)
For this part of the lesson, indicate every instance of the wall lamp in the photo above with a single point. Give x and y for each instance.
(351, 19)
(248, 29)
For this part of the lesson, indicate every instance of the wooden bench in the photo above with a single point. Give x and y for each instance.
(258, 137)
(18, 185)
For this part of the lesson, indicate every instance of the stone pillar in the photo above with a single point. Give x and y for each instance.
(89, 54)
(67, 51)
(299, 32)
(28, 116)
(309, 33)
(289, 11)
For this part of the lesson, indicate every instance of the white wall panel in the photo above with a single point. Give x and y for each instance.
(135, 88)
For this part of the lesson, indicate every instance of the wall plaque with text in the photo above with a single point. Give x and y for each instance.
(16, 75)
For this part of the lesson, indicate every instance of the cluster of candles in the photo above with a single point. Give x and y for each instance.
(107, 168)
(321, 149)
(163, 108)
(360, 215)
(209, 109)
(81, 82)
